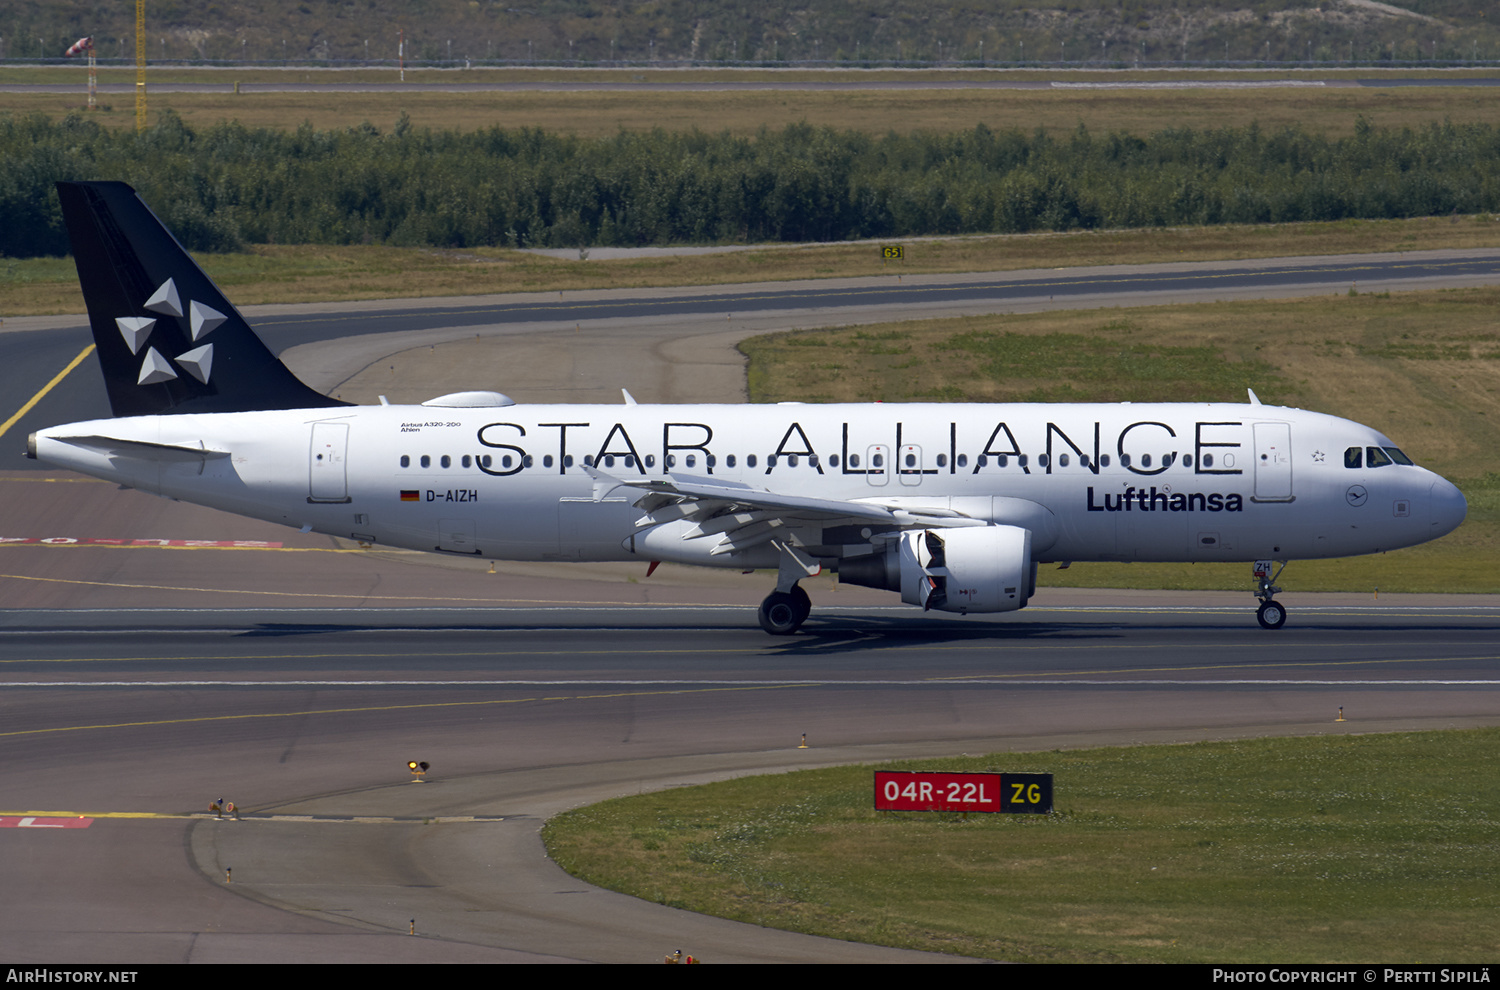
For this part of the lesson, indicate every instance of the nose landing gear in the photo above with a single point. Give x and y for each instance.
(1271, 614)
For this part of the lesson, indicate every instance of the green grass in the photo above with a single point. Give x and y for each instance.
(1330, 849)
(1329, 111)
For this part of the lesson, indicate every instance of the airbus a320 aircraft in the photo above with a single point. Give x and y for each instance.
(953, 506)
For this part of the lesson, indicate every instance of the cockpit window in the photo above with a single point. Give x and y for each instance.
(1397, 456)
(1354, 457)
(1375, 457)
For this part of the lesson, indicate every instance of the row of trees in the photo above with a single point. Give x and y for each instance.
(222, 187)
(838, 31)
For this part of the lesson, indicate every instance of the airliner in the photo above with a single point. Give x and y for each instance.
(953, 506)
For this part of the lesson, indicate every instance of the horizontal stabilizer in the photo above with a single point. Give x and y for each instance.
(144, 450)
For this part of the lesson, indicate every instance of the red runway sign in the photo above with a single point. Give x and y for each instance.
(1023, 793)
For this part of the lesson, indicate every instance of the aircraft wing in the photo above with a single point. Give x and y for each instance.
(746, 516)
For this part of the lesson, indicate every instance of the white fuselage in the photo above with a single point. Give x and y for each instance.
(1168, 482)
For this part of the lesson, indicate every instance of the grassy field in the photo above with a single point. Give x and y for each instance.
(1329, 849)
(318, 273)
(1423, 367)
(112, 72)
(1330, 111)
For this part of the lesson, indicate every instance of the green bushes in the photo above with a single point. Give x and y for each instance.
(228, 185)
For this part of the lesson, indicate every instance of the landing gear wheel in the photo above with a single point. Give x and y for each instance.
(1271, 615)
(782, 613)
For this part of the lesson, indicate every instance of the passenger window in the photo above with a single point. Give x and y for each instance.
(963, 460)
(486, 460)
(1062, 460)
(505, 461)
(547, 461)
(729, 460)
(1208, 460)
(877, 460)
(750, 460)
(942, 460)
(406, 460)
(1124, 460)
(833, 460)
(567, 461)
(525, 461)
(911, 460)
(1041, 459)
(1145, 460)
(791, 459)
(853, 461)
(630, 460)
(771, 461)
(1375, 457)
(1002, 460)
(465, 460)
(1021, 460)
(692, 460)
(1104, 460)
(426, 461)
(1354, 457)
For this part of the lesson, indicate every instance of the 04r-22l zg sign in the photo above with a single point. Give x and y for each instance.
(1012, 793)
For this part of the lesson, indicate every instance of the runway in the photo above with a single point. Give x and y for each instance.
(305, 718)
(155, 656)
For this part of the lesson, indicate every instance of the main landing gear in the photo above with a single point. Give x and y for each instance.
(1271, 614)
(786, 608)
(783, 612)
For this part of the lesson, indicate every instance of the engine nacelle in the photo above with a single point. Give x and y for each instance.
(985, 569)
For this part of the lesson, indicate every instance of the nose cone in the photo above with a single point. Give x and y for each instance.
(1446, 508)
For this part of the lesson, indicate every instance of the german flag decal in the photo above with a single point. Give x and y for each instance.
(408, 495)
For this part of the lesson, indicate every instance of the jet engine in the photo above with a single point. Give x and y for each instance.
(985, 569)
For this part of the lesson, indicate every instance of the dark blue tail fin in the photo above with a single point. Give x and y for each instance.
(167, 339)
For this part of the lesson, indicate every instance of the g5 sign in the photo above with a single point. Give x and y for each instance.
(1013, 793)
